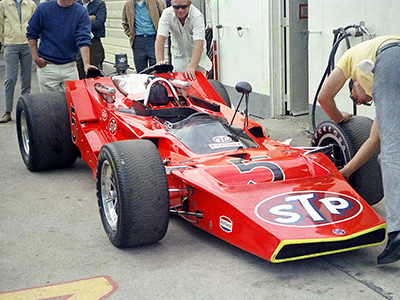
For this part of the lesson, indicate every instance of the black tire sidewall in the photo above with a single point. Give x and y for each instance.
(142, 192)
(350, 136)
(50, 143)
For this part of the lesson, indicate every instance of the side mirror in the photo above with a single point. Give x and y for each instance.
(243, 87)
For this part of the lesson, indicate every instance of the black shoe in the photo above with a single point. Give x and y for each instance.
(6, 118)
(392, 250)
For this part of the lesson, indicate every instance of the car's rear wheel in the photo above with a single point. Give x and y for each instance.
(132, 191)
(347, 139)
(221, 90)
(44, 132)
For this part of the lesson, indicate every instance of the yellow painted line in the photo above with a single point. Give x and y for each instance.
(89, 289)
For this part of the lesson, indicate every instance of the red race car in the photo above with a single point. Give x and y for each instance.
(160, 144)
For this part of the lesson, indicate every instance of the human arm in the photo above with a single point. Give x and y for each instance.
(159, 49)
(98, 16)
(330, 88)
(85, 53)
(39, 61)
(1, 25)
(194, 62)
(125, 22)
(364, 153)
(160, 6)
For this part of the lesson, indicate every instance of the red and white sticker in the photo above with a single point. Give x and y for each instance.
(112, 126)
(226, 224)
(222, 139)
(308, 209)
(225, 145)
(104, 114)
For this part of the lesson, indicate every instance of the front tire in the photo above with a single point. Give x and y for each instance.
(348, 137)
(132, 191)
(44, 132)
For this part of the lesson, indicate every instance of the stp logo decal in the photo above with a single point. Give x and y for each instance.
(308, 209)
(112, 126)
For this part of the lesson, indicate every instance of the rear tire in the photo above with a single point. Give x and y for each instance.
(132, 191)
(349, 136)
(221, 90)
(44, 132)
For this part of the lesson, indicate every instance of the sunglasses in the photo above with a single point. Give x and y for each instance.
(356, 101)
(184, 6)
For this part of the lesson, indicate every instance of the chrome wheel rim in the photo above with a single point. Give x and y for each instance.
(109, 196)
(24, 133)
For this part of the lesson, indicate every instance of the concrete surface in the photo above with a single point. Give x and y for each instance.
(51, 235)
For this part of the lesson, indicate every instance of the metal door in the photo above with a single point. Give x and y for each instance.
(297, 56)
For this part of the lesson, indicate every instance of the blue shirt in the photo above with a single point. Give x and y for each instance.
(143, 23)
(62, 31)
(18, 5)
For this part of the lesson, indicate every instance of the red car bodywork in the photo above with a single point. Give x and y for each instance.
(276, 201)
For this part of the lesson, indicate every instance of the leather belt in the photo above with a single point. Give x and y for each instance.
(146, 36)
(387, 46)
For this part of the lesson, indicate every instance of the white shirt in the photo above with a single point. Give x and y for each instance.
(183, 37)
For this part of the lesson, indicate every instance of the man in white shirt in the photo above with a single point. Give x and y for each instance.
(186, 25)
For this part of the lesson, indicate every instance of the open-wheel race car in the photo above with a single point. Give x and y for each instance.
(159, 144)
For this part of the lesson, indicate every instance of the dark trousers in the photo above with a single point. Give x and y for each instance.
(97, 57)
(144, 53)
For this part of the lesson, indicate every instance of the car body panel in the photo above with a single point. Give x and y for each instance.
(273, 200)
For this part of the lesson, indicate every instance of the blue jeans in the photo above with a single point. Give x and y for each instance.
(15, 55)
(386, 94)
(144, 53)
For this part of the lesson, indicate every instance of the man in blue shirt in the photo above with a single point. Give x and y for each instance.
(63, 28)
(98, 14)
(140, 21)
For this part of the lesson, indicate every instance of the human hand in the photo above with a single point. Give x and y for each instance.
(344, 173)
(88, 67)
(190, 73)
(346, 117)
(41, 62)
(161, 62)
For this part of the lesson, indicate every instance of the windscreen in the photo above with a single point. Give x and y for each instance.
(203, 133)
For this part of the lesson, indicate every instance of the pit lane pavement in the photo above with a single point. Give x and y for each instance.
(51, 236)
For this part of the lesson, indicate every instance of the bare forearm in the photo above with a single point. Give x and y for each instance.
(331, 87)
(196, 55)
(85, 53)
(159, 48)
(34, 49)
(364, 153)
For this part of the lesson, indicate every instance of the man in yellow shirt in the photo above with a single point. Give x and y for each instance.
(374, 68)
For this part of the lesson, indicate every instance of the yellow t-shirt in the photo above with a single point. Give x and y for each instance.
(353, 56)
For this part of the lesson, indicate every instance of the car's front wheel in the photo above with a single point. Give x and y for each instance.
(132, 191)
(347, 138)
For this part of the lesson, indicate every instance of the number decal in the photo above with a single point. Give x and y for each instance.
(245, 167)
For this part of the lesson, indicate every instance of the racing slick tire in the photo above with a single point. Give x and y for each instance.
(221, 90)
(44, 132)
(349, 136)
(132, 191)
